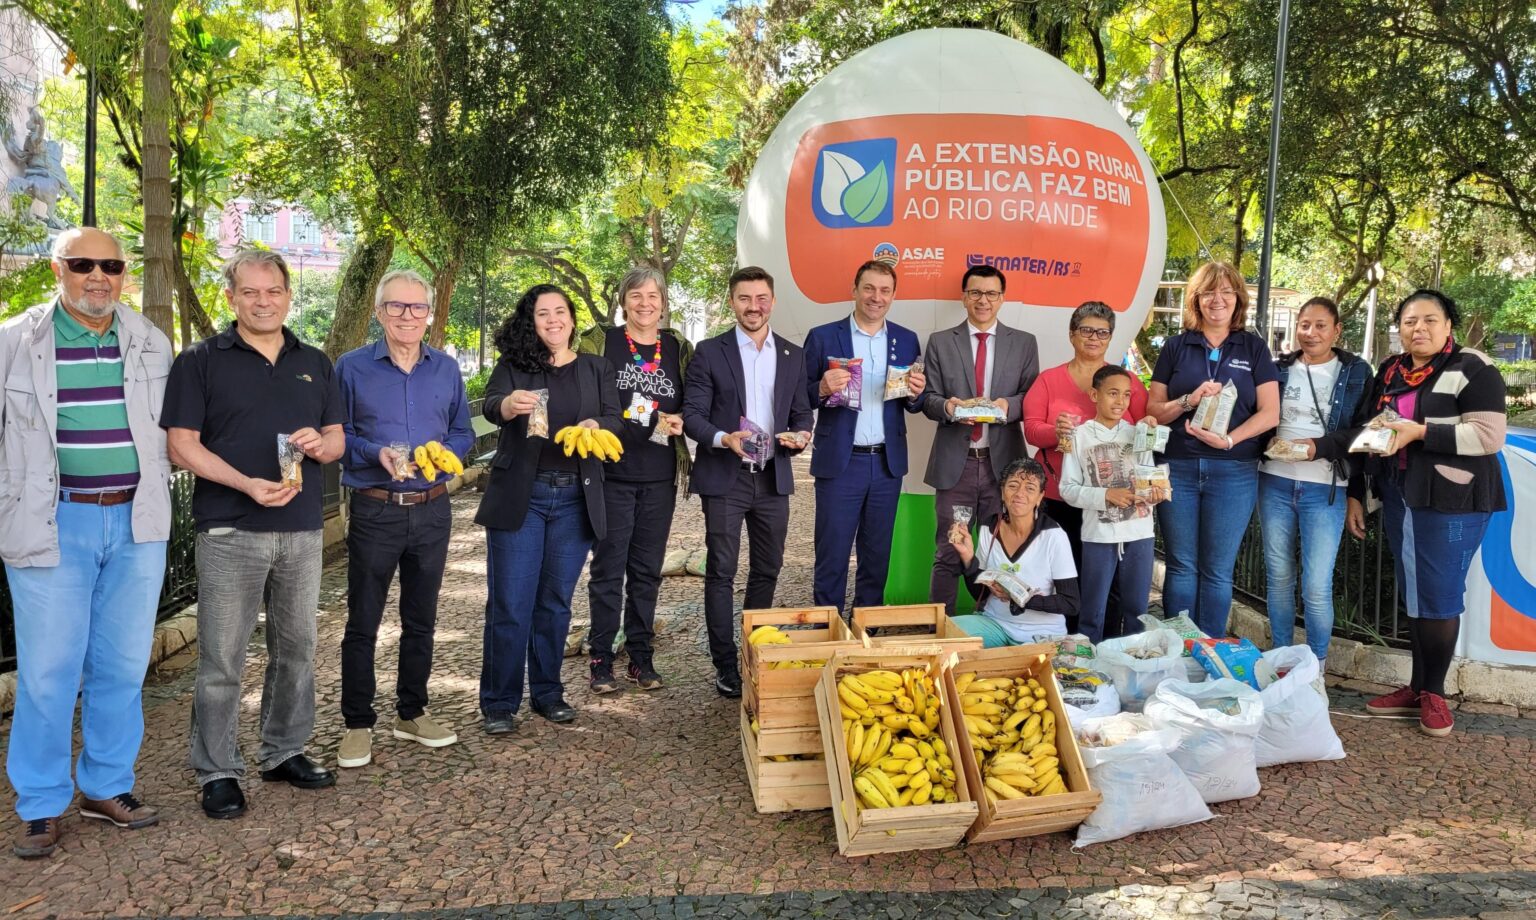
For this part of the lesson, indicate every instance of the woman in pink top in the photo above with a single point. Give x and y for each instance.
(1060, 400)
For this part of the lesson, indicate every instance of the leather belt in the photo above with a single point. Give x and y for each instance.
(978, 452)
(404, 498)
(558, 477)
(120, 497)
(869, 449)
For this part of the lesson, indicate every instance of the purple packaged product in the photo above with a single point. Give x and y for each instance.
(758, 446)
(852, 394)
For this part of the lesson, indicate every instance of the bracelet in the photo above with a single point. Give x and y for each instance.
(1229, 441)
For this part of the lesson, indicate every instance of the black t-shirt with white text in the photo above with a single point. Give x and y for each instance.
(644, 391)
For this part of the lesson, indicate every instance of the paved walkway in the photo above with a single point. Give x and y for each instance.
(641, 809)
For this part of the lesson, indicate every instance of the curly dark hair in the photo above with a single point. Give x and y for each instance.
(1028, 467)
(517, 340)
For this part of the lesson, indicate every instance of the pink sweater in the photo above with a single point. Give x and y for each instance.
(1052, 394)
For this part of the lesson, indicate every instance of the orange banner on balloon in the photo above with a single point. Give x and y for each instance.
(1059, 206)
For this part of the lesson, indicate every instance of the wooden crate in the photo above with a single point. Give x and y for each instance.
(1028, 816)
(887, 830)
(796, 785)
(938, 628)
(782, 700)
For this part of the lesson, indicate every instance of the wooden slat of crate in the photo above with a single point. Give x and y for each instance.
(1028, 816)
(799, 785)
(938, 628)
(887, 830)
(781, 697)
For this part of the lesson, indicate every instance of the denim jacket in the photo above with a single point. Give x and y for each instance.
(29, 491)
(1347, 406)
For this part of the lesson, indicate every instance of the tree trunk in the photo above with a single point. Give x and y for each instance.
(159, 205)
(354, 298)
(186, 296)
(442, 297)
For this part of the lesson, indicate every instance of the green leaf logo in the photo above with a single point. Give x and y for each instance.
(865, 198)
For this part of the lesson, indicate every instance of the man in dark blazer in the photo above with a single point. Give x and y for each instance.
(861, 454)
(744, 373)
(980, 357)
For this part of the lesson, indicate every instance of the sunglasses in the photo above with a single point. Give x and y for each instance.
(82, 266)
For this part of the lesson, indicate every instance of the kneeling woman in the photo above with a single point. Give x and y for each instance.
(542, 509)
(1027, 544)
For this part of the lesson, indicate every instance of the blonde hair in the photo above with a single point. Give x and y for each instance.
(1206, 279)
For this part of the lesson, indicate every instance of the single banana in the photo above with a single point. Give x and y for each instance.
(881, 680)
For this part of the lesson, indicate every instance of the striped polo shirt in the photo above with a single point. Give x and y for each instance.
(96, 452)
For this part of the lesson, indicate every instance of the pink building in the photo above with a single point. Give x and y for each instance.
(288, 229)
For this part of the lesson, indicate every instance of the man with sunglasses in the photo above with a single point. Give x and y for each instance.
(83, 529)
(980, 358)
(398, 394)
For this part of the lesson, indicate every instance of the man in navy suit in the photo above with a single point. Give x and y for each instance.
(861, 454)
(745, 373)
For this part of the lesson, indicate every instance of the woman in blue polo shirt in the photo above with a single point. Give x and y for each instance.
(1215, 477)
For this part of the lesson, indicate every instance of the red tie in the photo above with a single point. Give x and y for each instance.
(981, 377)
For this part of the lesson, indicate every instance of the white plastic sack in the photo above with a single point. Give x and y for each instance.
(1106, 702)
(1216, 750)
(1297, 728)
(1144, 790)
(1137, 678)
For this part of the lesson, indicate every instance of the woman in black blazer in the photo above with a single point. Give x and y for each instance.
(542, 509)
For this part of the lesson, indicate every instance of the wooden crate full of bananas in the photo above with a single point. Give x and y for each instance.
(913, 625)
(783, 782)
(1016, 748)
(782, 656)
(890, 740)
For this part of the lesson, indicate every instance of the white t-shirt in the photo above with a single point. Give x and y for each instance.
(1299, 418)
(1043, 558)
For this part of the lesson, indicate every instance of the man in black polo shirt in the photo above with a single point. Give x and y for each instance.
(229, 401)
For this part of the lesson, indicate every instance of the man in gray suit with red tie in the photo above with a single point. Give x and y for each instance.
(978, 358)
(747, 372)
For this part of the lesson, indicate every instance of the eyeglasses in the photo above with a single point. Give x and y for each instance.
(1225, 295)
(398, 308)
(83, 266)
(988, 296)
(1094, 334)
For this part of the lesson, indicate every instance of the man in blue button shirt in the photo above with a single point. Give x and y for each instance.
(398, 394)
(860, 454)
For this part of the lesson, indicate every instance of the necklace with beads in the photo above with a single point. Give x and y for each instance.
(647, 366)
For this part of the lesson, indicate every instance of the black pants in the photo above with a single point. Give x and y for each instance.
(639, 520)
(766, 513)
(382, 537)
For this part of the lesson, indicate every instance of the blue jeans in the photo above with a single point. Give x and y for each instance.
(83, 626)
(531, 574)
(1127, 566)
(1292, 510)
(1202, 528)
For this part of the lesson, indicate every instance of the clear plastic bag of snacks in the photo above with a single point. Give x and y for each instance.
(897, 384)
(1376, 437)
(290, 463)
(659, 431)
(1214, 413)
(1064, 438)
(852, 393)
(1150, 436)
(1152, 484)
(980, 410)
(961, 516)
(402, 452)
(538, 419)
(1286, 451)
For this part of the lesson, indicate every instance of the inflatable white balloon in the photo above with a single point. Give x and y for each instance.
(946, 148)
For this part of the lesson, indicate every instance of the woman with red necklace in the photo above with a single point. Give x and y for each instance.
(641, 490)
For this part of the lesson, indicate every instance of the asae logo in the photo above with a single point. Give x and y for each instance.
(887, 253)
(854, 185)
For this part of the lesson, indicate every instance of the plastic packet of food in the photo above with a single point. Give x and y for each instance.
(961, 516)
(852, 394)
(1076, 645)
(538, 419)
(1115, 730)
(1064, 438)
(758, 446)
(1152, 484)
(896, 382)
(1012, 586)
(402, 452)
(1214, 413)
(290, 463)
(659, 431)
(1376, 437)
(1285, 450)
(979, 409)
(1150, 436)
(1179, 623)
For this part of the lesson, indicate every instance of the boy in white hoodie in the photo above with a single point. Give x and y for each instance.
(1097, 476)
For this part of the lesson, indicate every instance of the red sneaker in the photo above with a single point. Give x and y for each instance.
(1434, 715)
(1404, 701)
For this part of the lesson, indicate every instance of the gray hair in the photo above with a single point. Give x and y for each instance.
(245, 257)
(639, 275)
(400, 274)
(1092, 309)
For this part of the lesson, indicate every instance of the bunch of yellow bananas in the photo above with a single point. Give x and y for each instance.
(1012, 732)
(433, 456)
(595, 442)
(783, 758)
(891, 723)
(772, 635)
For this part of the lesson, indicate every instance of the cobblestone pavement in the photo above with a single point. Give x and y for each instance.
(641, 809)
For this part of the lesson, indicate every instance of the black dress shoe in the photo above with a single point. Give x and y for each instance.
(301, 772)
(557, 711)
(729, 684)
(222, 798)
(500, 724)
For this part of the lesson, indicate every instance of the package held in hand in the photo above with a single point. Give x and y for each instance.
(1214, 413)
(659, 431)
(538, 418)
(1376, 437)
(758, 446)
(1010, 585)
(852, 393)
(1150, 436)
(1152, 484)
(1287, 451)
(897, 383)
(290, 463)
(979, 409)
